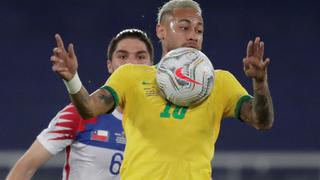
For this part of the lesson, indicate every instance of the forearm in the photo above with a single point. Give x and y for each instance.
(88, 106)
(21, 172)
(262, 105)
(29, 163)
(83, 103)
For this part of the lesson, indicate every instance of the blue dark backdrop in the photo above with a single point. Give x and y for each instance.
(31, 93)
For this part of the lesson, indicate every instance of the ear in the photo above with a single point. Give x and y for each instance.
(110, 67)
(160, 31)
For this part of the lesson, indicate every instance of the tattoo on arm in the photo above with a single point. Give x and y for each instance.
(263, 107)
(99, 102)
(258, 111)
(107, 99)
(82, 102)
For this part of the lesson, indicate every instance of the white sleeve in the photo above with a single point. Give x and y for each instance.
(61, 131)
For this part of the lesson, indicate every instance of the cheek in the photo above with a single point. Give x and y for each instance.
(117, 64)
(201, 38)
(175, 38)
(147, 62)
(121, 63)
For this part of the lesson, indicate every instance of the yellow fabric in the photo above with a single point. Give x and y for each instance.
(166, 142)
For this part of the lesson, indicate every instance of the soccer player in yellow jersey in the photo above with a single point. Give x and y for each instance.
(164, 141)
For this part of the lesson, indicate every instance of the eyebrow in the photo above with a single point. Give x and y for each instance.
(141, 52)
(189, 21)
(124, 51)
(121, 51)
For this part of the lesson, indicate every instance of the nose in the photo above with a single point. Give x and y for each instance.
(132, 59)
(193, 35)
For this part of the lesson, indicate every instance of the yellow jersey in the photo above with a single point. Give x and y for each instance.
(164, 141)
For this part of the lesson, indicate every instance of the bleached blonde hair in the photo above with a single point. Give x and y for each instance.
(169, 6)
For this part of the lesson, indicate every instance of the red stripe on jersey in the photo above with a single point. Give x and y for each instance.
(69, 119)
(67, 165)
(82, 126)
(75, 116)
(71, 122)
(63, 137)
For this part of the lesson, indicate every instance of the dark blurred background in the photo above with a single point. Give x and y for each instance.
(31, 94)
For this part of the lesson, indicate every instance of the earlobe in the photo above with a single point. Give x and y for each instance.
(160, 31)
(109, 66)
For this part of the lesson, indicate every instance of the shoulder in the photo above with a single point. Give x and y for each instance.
(134, 68)
(225, 79)
(223, 75)
(70, 108)
(132, 72)
(70, 113)
(67, 118)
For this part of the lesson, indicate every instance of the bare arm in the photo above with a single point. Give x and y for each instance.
(259, 111)
(65, 64)
(99, 102)
(29, 163)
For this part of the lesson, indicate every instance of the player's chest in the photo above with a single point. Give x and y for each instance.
(107, 132)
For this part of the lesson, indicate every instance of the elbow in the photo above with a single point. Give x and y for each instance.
(86, 115)
(85, 112)
(263, 126)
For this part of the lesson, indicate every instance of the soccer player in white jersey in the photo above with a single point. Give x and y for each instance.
(94, 148)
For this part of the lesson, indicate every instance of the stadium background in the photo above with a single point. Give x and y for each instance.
(31, 93)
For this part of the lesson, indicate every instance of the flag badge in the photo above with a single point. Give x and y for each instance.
(100, 135)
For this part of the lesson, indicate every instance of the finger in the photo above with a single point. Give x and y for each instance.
(252, 62)
(266, 62)
(71, 51)
(57, 52)
(53, 59)
(261, 50)
(256, 46)
(60, 69)
(54, 50)
(246, 64)
(57, 63)
(56, 60)
(59, 42)
(62, 54)
(250, 49)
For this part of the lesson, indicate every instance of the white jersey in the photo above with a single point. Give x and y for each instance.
(94, 147)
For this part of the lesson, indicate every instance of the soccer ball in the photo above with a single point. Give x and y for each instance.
(185, 76)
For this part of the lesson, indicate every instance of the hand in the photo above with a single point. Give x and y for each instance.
(64, 63)
(253, 65)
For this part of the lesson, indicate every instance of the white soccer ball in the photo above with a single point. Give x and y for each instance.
(185, 76)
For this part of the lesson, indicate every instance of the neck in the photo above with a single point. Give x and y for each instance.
(164, 51)
(119, 110)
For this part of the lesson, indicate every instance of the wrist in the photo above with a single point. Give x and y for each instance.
(73, 85)
(260, 85)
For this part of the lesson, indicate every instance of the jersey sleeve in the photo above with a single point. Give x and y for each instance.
(61, 131)
(118, 83)
(235, 95)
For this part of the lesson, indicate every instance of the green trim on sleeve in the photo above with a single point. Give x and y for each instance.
(243, 99)
(113, 93)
